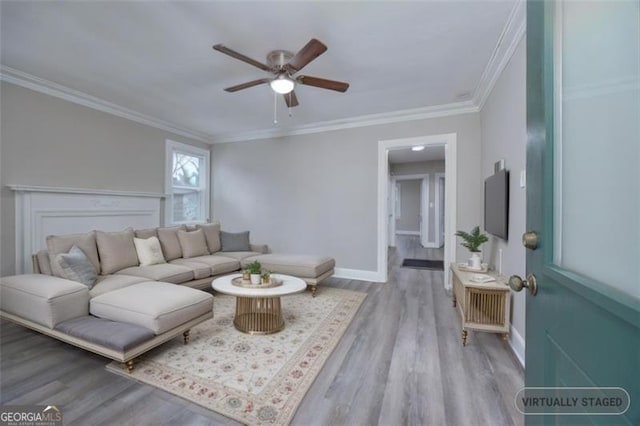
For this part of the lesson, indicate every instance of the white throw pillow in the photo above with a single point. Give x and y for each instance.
(149, 251)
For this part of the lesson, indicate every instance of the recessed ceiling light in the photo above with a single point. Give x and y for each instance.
(417, 148)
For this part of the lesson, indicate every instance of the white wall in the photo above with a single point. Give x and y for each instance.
(47, 141)
(317, 193)
(504, 136)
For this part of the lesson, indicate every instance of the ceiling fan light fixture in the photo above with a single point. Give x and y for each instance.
(282, 84)
(417, 148)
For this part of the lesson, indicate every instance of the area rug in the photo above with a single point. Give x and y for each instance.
(423, 264)
(253, 379)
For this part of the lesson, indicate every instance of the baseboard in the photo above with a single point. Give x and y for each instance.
(359, 274)
(517, 344)
(408, 233)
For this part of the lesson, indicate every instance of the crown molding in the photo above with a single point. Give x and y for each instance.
(510, 36)
(41, 85)
(353, 122)
(508, 41)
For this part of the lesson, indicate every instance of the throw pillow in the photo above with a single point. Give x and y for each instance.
(76, 266)
(145, 233)
(193, 243)
(116, 250)
(169, 242)
(149, 251)
(57, 244)
(212, 235)
(235, 241)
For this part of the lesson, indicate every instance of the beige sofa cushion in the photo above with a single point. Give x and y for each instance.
(193, 243)
(107, 283)
(44, 263)
(57, 244)
(169, 242)
(199, 269)
(149, 251)
(146, 233)
(43, 299)
(166, 272)
(157, 306)
(217, 264)
(294, 264)
(238, 255)
(212, 235)
(116, 250)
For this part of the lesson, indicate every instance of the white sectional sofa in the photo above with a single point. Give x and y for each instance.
(120, 294)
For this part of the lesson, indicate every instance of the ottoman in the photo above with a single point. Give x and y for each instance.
(311, 269)
(156, 306)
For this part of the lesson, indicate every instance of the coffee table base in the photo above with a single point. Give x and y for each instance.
(258, 315)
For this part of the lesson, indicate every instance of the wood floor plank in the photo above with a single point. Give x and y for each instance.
(401, 361)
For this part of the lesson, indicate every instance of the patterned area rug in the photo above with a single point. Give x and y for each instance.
(253, 379)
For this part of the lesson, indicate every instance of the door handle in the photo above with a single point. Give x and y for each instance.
(517, 284)
(530, 240)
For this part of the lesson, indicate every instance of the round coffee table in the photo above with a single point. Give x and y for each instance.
(258, 309)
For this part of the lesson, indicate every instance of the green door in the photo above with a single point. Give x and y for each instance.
(583, 196)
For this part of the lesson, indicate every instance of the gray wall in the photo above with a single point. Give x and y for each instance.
(429, 168)
(410, 196)
(317, 193)
(504, 136)
(48, 141)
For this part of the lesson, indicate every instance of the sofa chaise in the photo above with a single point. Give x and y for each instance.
(120, 294)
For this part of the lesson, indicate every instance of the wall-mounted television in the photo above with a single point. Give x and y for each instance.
(496, 204)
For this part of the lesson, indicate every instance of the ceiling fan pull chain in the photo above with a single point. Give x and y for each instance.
(289, 104)
(275, 108)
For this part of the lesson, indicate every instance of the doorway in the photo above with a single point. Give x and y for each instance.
(385, 236)
(409, 215)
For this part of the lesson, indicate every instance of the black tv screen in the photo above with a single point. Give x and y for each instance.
(496, 204)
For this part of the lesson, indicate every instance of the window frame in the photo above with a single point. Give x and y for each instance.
(172, 147)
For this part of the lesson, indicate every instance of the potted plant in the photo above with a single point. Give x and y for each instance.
(472, 241)
(266, 277)
(254, 269)
(246, 276)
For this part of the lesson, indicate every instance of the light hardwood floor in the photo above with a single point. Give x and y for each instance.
(401, 362)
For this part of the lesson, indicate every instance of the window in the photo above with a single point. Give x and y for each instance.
(187, 184)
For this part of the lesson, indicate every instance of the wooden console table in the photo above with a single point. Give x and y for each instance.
(482, 306)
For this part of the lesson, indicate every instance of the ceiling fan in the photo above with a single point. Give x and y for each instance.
(284, 65)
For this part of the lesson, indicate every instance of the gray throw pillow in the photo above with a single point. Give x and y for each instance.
(235, 241)
(76, 266)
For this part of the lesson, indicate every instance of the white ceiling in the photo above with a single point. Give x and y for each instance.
(155, 58)
(406, 155)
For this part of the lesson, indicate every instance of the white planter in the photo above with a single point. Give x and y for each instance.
(256, 279)
(475, 262)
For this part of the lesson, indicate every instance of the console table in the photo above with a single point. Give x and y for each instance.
(482, 306)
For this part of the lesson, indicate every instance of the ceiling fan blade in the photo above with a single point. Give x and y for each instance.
(247, 85)
(308, 53)
(323, 83)
(223, 49)
(291, 99)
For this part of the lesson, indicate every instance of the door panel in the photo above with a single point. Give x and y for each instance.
(583, 151)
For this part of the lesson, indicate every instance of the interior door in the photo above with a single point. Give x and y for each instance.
(583, 196)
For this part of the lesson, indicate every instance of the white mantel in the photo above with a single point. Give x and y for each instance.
(42, 211)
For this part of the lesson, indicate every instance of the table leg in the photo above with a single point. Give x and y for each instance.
(258, 315)
(464, 337)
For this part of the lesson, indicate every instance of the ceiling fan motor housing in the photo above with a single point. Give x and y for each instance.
(277, 59)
